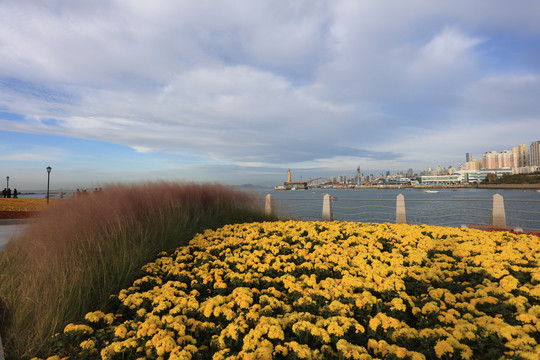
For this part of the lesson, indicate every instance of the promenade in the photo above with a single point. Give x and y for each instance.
(9, 229)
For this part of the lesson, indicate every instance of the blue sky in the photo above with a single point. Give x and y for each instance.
(239, 91)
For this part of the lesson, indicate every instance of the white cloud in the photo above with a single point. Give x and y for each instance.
(142, 149)
(446, 55)
(311, 83)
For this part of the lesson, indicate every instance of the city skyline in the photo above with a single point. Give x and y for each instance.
(468, 158)
(239, 92)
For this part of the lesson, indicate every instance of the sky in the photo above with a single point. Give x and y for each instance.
(237, 92)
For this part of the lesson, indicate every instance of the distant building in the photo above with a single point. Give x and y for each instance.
(522, 153)
(525, 170)
(474, 164)
(493, 160)
(477, 176)
(535, 153)
(342, 179)
(490, 160)
(507, 160)
(468, 157)
(440, 180)
(410, 173)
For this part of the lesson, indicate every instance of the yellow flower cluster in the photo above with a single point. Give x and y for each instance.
(327, 290)
(23, 204)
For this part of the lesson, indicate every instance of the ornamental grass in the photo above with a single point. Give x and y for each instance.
(73, 255)
(325, 290)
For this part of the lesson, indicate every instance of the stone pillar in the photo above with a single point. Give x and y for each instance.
(498, 216)
(269, 205)
(401, 216)
(327, 208)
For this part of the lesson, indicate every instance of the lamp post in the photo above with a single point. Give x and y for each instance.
(48, 181)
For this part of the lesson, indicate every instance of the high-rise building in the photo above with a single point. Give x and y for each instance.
(522, 153)
(468, 157)
(535, 153)
(493, 160)
(490, 160)
(507, 160)
(410, 173)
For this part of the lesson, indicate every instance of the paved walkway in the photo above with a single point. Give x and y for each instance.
(9, 229)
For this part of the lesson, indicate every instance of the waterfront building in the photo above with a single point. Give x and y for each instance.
(522, 153)
(397, 181)
(461, 177)
(477, 176)
(526, 170)
(535, 153)
(493, 160)
(440, 180)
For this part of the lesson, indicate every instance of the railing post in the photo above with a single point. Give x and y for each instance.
(268, 205)
(498, 216)
(326, 208)
(401, 216)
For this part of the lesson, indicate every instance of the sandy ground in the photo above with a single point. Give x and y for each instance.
(10, 229)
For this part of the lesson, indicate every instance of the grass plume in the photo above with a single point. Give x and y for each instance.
(75, 254)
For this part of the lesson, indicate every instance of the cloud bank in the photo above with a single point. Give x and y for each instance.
(252, 83)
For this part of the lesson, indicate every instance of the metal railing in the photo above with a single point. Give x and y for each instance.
(522, 214)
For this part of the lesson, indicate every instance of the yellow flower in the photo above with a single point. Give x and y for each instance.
(87, 344)
(509, 283)
(75, 328)
(442, 347)
(120, 331)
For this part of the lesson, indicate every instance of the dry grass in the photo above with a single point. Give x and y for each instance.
(74, 255)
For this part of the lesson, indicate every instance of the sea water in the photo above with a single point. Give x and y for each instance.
(448, 207)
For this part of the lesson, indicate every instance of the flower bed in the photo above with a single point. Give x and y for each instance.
(318, 290)
(21, 208)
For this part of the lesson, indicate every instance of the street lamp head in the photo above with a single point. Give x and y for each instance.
(49, 169)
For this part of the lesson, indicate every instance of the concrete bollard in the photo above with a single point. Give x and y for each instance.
(401, 215)
(268, 205)
(498, 216)
(327, 208)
